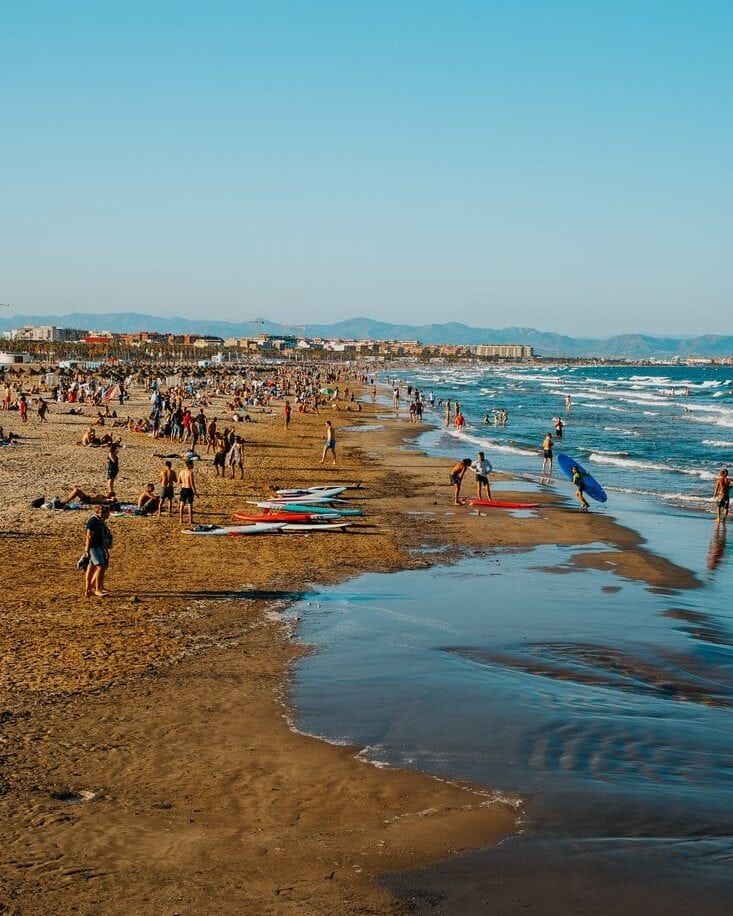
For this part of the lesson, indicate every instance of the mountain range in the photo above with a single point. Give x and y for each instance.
(624, 346)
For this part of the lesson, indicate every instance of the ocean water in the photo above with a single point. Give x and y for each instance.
(602, 706)
(662, 432)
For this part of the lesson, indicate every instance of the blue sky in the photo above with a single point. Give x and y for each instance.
(561, 165)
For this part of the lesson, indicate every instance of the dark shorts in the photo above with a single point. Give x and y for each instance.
(167, 493)
(724, 503)
(548, 453)
(186, 497)
(481, 479)
(455, 478)
(219, 459)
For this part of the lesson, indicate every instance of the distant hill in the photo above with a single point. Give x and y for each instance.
(626, 346)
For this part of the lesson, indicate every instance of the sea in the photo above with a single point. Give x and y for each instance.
(599, 707)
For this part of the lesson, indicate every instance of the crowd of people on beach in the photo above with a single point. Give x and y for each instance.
(185, 409)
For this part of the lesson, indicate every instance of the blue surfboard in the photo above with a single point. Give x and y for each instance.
(591, 486)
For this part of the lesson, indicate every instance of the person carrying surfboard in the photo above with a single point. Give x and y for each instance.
(579, 482)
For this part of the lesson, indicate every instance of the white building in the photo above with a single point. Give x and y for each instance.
(505, 351)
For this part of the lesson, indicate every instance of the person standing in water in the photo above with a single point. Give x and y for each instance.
(547, 454)
(722, 495)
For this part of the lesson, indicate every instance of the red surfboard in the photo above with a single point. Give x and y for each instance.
(284, 517)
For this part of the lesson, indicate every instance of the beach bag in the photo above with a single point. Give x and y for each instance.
(82, 562)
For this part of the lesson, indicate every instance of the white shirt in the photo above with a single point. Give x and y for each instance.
(482, 467)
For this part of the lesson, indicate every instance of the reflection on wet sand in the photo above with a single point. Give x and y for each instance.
(717, 546)
(602, 666)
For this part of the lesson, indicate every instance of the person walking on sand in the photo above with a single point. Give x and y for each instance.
(482, 468)
(457, 473)
(547, 454)
(188, 492)
(113, 467)
(330, 443)
(722, 495)
(579, 481)
(167, 479)
(97, 544)
(235, 457)
(287, 410)
(23, 408)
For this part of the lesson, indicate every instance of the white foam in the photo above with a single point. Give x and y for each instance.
(635, 464)
(717, 443)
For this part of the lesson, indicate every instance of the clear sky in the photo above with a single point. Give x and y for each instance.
(564, 165)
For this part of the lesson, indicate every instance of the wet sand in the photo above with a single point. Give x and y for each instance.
(146, 762)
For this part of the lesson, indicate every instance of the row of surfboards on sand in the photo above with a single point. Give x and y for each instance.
(318, 509)
(321, 508)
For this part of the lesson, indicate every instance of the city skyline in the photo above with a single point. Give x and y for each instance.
(491, 163)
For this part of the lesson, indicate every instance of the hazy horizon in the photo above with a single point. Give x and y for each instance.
(498, 164)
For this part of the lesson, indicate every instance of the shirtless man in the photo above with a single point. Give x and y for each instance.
(547, 454)
(168, 478)
(722, 494)
(457, 473)
(188, 492)
(147, 501)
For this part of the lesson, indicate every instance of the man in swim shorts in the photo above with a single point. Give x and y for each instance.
(188, 491)
(167, 479)
(457, 473)
(722, 494)
(547, 454)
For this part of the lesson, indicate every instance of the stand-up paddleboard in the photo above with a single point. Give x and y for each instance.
(317, 510)
(591, 487)
(501, 504)
(312, 491)
(224, 530)
(305, 499)
(320, 527)
(289, 517)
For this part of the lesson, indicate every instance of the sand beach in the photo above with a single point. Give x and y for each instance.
(147, 762)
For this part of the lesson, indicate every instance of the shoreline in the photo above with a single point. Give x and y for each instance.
(133, 711)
